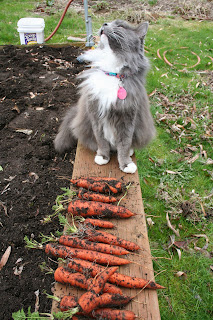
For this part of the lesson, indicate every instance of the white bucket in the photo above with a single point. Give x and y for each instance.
(31, 30)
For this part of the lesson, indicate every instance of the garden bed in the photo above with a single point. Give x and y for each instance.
(37, 85)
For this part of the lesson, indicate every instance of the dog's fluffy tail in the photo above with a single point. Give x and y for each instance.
(65, 139)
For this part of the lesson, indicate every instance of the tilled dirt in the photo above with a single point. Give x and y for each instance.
(37, 85)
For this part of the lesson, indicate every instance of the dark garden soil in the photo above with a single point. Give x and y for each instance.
(37, 84)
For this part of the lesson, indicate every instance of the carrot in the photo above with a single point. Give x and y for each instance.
(113, 300)
(98, 282)
(102, 185)
(88, 301)
(92, 196)
(117, 278)
(114, 185)
(79, 280)
(75, 242)
(64, 276)
(113, 314)
(68, 302)
(94, 208)
(68, 252)
(108, 288)
(105, 237)
(99, 223)
(106, 299)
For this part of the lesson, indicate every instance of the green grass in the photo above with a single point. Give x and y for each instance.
(163, 192)
(10, 12)
(167, 178)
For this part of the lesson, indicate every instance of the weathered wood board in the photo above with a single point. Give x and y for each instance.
(145, 305)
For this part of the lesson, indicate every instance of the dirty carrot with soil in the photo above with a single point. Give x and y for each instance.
(76, 242)
(94, 209)
(98, 184)
(79, 280)
(113, 314)
(64, 276)
(92, 196)
(108, 288)
(104, 300)
(117, 278)
(98, 282)
(99, 223)
(68, 252)
(106, 237)
(90, 300)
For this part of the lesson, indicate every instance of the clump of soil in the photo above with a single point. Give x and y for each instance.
(37, 85)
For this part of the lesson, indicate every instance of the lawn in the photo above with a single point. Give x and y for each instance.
(175, 170)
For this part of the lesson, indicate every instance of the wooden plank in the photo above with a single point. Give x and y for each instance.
(145, 305)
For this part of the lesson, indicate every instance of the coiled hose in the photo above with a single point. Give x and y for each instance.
(60, 21)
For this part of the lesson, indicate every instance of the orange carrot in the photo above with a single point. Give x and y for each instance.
(103, 185)
(75, 242)
(65, 276)
(92, 196)
(113, 300)
(98, 282)
(68, 302)
(68, 252)
(93, 208)
(99, 223)
(105, 237)
(113, 314)
(106, 299)
(117, 278)
(88, 301)
(114, 185)
(108, 288)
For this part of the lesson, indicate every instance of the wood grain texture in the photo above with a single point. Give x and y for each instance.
(145, 305)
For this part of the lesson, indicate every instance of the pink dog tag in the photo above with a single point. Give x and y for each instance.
(121, 93)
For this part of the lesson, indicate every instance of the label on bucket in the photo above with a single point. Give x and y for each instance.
(30, 38)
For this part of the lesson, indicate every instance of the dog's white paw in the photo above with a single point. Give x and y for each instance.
(130, 168)
(100, 160)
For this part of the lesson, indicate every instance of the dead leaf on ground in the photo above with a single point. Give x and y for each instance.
(4, 207)
(19, 267)
(37, 300)
(150, 222)
(181, 244)
(5, 257)
(180, 274)
(179, 253)
(209, 161)
(192, 160)
(203, 236)
(34, 176)
(16, 108)
(32, 95)
(171, 226)
(172, 241)
(25, 131)
(172, 172)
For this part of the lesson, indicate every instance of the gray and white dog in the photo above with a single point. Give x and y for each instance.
(113, 112)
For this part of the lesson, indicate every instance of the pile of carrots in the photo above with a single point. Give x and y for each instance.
(94, 258)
